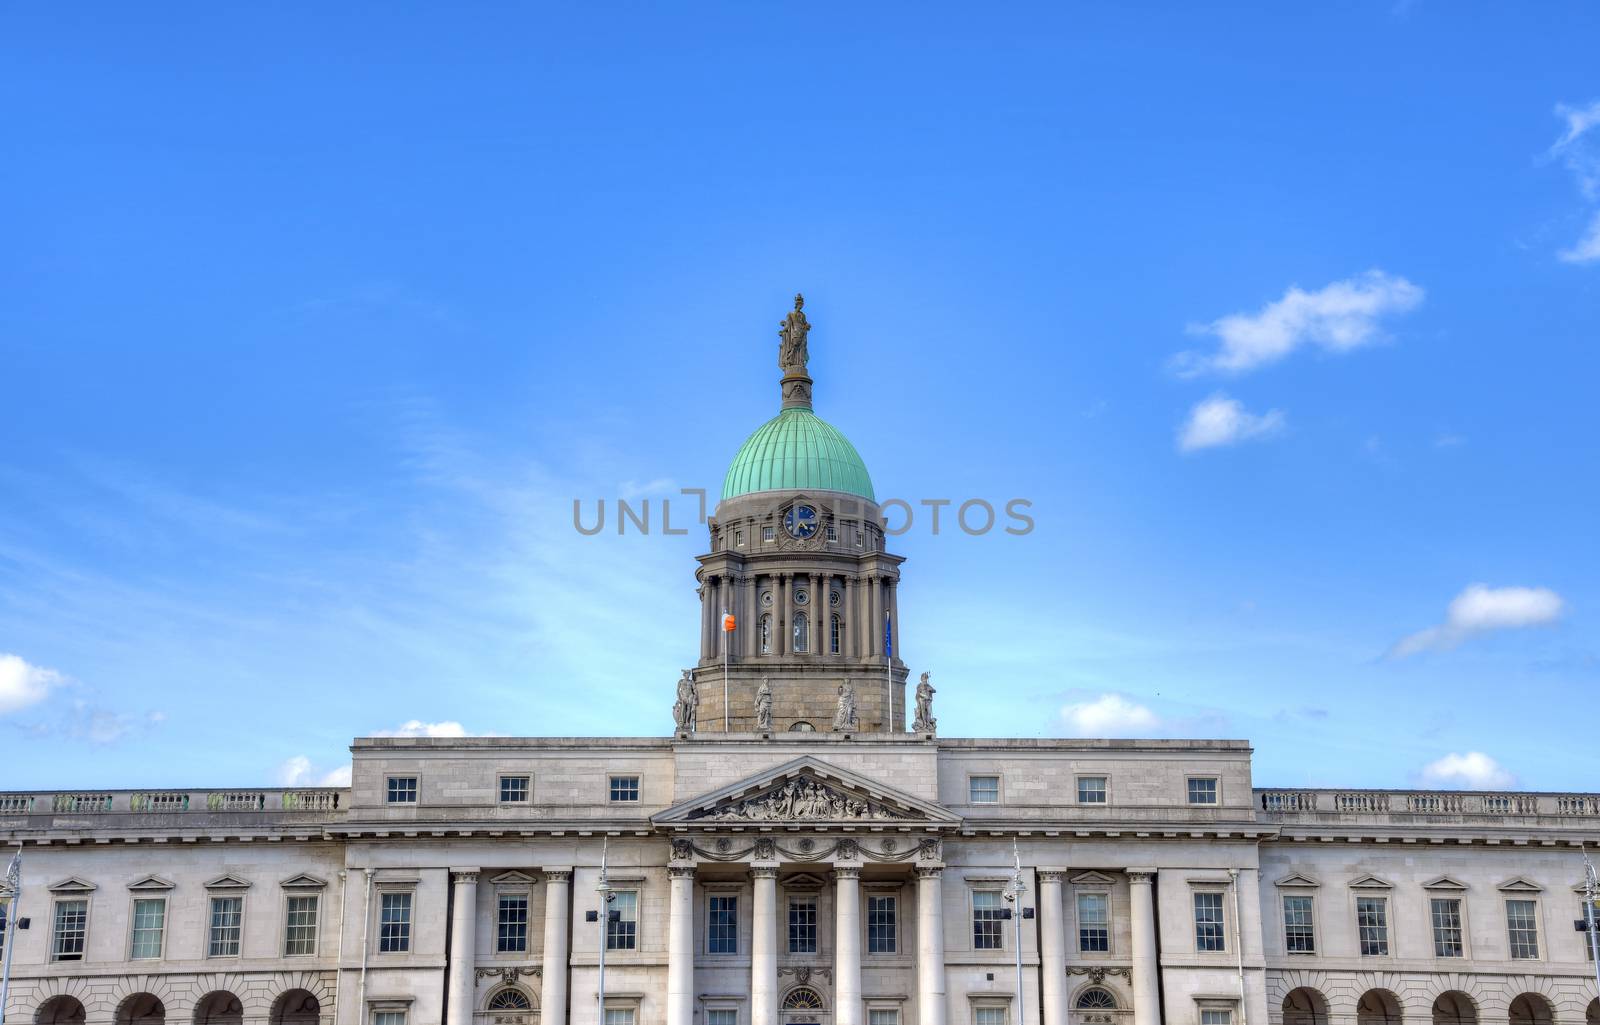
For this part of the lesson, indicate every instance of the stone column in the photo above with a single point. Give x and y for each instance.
(1146, 961)
(891, 586)
(463, 944)
(680, 946)
(557, 913)
(749, 624)
(785, 612)
(847, 612)
(930, 946)
(705, 619)
(1052, 947)
(847, 944)
(764, 947)
(874, 623)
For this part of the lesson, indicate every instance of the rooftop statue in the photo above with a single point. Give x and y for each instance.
(764, 707)
(925, 722)
(685, 710)
(844, 717)
(792, 354)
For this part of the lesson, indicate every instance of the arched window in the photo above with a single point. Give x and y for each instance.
(766, 635)
(833, 634)
(800, 633)
(510, 1000)
(802, 999)
(802, 727)
(1096, 1000)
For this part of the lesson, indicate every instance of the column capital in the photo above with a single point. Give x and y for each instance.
(464, 875)
(1141, 876)
(764, 871)
(1052, 875)
(680, 871)
(557, 875)
(930, 871)
(847, 871)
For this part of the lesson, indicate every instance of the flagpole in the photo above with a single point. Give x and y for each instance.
(12, 888)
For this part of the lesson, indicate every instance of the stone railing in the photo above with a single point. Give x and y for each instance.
(1397, 805)
(165, 803)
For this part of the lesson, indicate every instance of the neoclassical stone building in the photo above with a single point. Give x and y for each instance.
(793, 853)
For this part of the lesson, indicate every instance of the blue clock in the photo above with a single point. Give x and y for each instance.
(800, 522)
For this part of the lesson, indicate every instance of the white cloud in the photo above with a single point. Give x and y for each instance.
(1587, 249)
(299, 772)
(1582, 160)
(418, 728)
(1480, 609)
(22, 685)
(1338, 317)
(1220, 420)
(1473, 770)
(1110, 715)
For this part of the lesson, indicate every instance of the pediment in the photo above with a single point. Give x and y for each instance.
(1370, 882)
(804, 881)
(513, 878)
(1092, 879)
(303, 882)
(806, 790)
(1520, 884)
(72, 884)
(1297, 879)
(151, 883)
(1444, 883)
(228, 882)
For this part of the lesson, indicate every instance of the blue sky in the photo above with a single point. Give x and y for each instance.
(1282, 317)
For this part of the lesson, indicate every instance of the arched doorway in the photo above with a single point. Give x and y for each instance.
(509, 1005)
(1095, 1005)
(60, 1011)
(1305, 1006)
(1593, 1017)
(802, 1006)
(1530, 1009)
(219, 1008)
(295, 1007)
(141, 1009)
(1454, 1007)
(1378, 1007)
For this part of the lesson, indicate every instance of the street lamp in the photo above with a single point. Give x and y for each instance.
(10, 891)
(1013, 894)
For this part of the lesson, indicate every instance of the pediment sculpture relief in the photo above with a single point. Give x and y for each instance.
(801, 798)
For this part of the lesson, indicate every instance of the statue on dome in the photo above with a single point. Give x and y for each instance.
(925, 722)
(764, 707)
(685, 710)
(792, 354)
(844, 717)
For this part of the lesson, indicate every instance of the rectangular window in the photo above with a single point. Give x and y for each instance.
(1203, 790)
(883, 934)
(227, 920)
(883, 1016)
(1208, 926)
(402, 790)
(767, 534)
(988, 911)
(1094, 923)
(983, 789)
(1446, 915)
(619, 1016)
(722, 925)
(1372, 922)
(989, 1016)
(71, 925)
(1522, 927)
(1215, 1016)
(394, 923)
(722, 1016)
(149, 922)
(1091, 790)
(622, 926)
(300, 926)
(1299, 931)
(624, 788)
(514, 789)
(833, 532)
(803, 925)
(389, 1018)
(511, 925)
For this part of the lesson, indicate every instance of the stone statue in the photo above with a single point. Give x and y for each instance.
(925, 722)
(802, 798)
(685, 710)
(764, 707)
(844, 717)
(792, 353)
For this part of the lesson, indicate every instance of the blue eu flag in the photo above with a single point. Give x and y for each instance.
(888, 641)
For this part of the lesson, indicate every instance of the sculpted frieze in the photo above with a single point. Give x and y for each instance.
(801, 798)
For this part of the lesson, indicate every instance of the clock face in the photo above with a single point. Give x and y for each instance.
(800, 522)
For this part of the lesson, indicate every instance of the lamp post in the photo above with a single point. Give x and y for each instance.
(1591, 893)
(10, 892)
(1014, 891)
(606, 897)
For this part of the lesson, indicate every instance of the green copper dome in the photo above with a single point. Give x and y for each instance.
(797, 450)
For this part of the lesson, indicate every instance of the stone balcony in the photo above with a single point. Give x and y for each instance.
(1309, 807)
(56, 812)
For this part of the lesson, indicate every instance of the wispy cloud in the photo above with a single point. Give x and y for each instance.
(1579, 152)
(1220, 420)
(1338, 317)
(1482, 609)
(1471, 771)
(23, 685)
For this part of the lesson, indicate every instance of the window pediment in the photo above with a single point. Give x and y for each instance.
(73, 884)
(303, 882)
(1370, 882)
(228, 882)
(1444, 883)
(1520, 884)
(804, 881)
(1296, 879)
(513, 878)
(149, 883)
(1092, 879)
